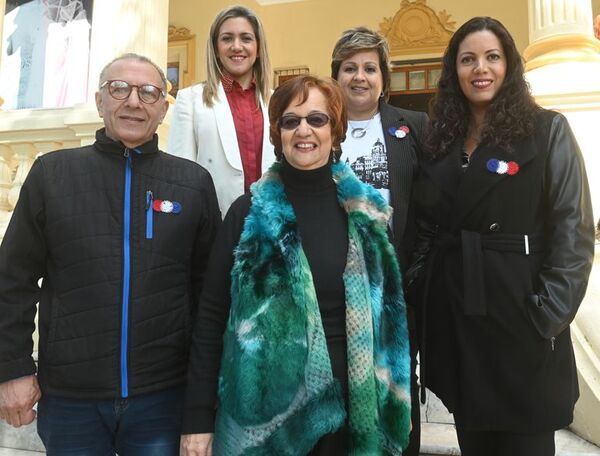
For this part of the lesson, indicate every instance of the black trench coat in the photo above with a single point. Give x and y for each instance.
(507, 267)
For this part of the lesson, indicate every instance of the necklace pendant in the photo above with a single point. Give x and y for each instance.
(358, 133)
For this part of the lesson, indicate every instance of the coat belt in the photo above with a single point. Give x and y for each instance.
(472, 245)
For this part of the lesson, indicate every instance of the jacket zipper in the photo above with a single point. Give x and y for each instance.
(126, 274)
(149, 214)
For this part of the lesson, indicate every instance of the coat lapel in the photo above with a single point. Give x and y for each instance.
(226, 128)
(400, 159)
(268, 156)
(443, 177)
(478, 180)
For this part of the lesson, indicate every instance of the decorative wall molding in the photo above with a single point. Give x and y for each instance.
(181, 60)
(417, 29)
(179, 33)
(27, 133)
(284, 74)
(275, 2)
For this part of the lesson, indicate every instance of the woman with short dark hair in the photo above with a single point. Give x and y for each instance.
(302, 319)
(504, 253)
(383, 146)
(388, 138)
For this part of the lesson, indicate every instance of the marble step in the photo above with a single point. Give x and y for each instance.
(436, 439)
(440, 439)
(16, 439)
(13, 452)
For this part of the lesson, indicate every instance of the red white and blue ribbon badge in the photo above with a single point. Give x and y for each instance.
(502, 167)
(401, 132)
(166, 206)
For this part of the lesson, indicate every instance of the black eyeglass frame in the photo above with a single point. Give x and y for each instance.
(298, 119)
(108, 83)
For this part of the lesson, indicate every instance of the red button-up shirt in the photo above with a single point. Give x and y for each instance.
(249, 127)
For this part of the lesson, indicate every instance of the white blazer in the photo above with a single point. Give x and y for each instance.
(207, 136)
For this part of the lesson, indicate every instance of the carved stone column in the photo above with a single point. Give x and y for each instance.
(2, 11)
(5, 176)
(120, 26)
(6, 154)
(560, 31)
(563, 69)
(25, 154)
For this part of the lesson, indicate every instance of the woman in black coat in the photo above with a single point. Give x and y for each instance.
(504, 253)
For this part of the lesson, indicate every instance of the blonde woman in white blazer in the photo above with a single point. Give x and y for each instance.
(203, 128)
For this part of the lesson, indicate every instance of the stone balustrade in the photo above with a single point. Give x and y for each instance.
(26, 134)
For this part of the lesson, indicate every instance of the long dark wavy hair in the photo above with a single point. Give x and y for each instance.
(511, 115)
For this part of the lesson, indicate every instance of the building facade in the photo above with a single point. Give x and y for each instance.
(555, 36)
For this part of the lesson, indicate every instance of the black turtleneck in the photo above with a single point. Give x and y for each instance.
(323, 226)
(323, 229)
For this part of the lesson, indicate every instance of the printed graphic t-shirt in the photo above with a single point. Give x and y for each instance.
(367, 155)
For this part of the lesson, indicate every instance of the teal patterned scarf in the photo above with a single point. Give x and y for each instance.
(277, 394)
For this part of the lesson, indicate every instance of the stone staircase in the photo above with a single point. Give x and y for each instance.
(440, 439)
(23, 441)
(437, 437)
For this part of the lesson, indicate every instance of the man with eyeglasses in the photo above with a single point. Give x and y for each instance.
(119, 234)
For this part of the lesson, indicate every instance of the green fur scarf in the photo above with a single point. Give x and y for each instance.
(277, 394)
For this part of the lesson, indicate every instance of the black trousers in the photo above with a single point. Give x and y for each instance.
(494, 443)
(414, 443)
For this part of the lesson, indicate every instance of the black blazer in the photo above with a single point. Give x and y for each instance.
(403, 157)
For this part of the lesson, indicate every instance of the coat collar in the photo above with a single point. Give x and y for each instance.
(392, 118)
(401, 159)
(479, 180)
(226, 129)
(105, 144)
(228, 136)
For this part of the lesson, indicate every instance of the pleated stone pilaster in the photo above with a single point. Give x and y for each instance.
(563, 69)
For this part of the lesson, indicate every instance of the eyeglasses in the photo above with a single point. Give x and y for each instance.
(292, 121)
(120, 90)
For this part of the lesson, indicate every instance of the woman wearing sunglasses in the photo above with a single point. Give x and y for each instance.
(222, 123)
(382, 146)
(302, 321)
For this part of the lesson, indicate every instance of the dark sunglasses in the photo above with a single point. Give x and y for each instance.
(120, 90)
(292, 121)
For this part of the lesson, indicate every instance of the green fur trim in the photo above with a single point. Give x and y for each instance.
(323, 414)
(277, 392)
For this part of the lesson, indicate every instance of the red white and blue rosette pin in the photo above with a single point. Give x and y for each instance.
(166, 206)
(400, 132)
(502, 167)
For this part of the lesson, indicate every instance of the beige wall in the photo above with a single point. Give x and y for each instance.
(304, 33)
